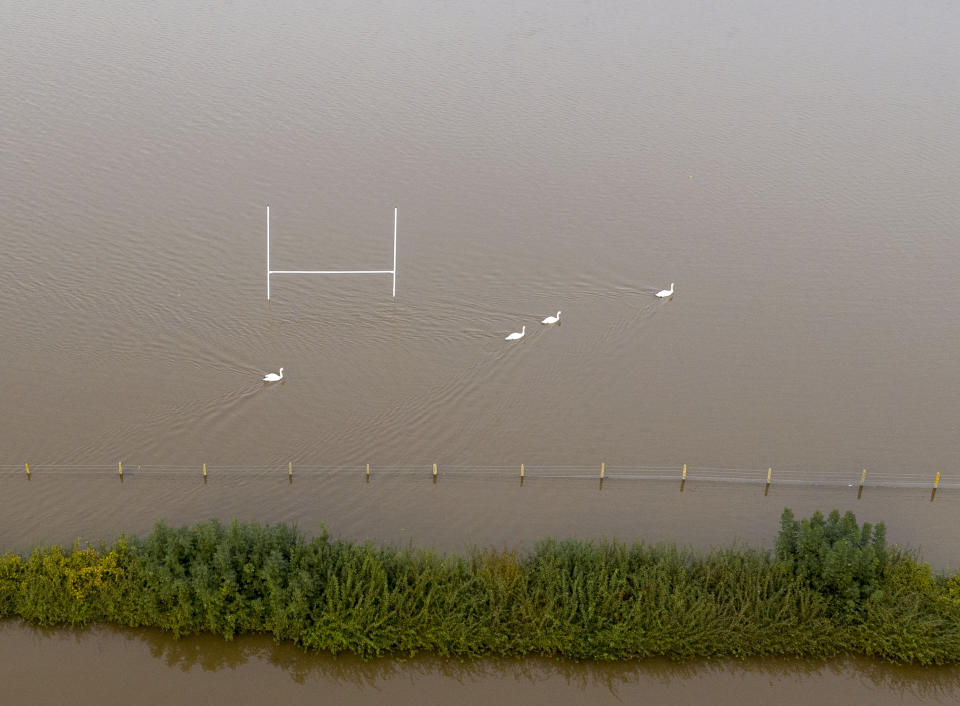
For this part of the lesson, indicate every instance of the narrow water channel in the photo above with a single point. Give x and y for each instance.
(107, 665)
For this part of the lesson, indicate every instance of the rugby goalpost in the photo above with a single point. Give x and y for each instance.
(335, 272)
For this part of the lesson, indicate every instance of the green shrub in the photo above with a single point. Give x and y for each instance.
(836, 557)
(11, 578)
(830, 586)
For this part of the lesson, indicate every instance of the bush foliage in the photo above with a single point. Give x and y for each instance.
(830, 586)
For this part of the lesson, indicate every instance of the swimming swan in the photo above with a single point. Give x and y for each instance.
(551, 319)
(273, 377)
(664, 293)
(517, 336)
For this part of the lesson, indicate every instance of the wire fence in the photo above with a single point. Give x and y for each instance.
(601, 471)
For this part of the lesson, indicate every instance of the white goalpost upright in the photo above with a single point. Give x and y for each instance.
(335, 272)
(394, 251)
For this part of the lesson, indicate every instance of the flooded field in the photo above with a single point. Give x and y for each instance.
(792, 169)
(458, 513)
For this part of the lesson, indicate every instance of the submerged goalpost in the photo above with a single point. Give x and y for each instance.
(335, 272)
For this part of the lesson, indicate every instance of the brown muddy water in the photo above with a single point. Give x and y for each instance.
(106, 665)
(793, 168)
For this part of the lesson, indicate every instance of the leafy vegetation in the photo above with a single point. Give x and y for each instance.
(830, 586)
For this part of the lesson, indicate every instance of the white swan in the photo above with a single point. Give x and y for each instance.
(551, 319)
(273, 377)
(517, 336)
(663, 293)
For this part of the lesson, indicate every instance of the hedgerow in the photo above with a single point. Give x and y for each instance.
(830, 586)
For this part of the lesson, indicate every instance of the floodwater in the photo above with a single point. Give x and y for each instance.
(110, 665)
(793, 168)
(460, 512)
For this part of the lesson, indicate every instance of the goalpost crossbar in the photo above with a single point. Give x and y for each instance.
(393, 272)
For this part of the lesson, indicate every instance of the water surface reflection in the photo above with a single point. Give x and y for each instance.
(117, 664)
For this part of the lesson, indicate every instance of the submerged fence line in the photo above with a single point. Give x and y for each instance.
(522, 471)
